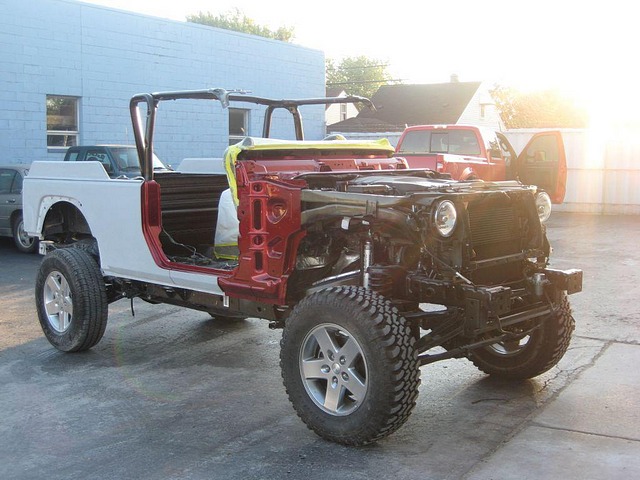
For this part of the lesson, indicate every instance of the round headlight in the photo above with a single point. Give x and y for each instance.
(445, 218)
(543, 206)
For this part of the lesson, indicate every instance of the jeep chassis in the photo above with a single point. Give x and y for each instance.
(371, 269)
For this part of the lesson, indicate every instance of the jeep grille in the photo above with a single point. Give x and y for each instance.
(498, 228)
(495, 230)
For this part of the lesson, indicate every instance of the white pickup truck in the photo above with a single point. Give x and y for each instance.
(335, 241)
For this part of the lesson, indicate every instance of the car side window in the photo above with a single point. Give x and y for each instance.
(6, 180)
(17, 184)
(507, 150)
(542, 149)
(439, 142)
(73, 157)
(463, 142)
(99, 155)
(495, 147)
(416, 141)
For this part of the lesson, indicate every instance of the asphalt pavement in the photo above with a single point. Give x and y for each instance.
(169, 393)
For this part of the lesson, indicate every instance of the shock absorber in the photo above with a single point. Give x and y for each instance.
(367, 260)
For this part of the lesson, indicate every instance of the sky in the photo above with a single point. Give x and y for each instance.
(586, 49)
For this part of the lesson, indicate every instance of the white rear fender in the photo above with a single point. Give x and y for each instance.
(112, 211)
(51, 182)
(43, 209)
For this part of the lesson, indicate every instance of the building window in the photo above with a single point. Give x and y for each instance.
(343, 111)
(238, 125)
(485, 109)
(62, 121)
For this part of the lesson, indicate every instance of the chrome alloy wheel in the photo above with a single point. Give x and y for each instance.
(25, 240)
(58, 303)
(333, 369)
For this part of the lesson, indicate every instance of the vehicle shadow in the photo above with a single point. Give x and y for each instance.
(172, 390)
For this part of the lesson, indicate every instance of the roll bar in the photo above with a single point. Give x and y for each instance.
(143, 130)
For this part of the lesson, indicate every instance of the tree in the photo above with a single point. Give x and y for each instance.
(357, 75)
(236, 20)
(538, 109)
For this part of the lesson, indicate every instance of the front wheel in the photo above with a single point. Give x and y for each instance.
(71, 300)
(530, 355)
(349, 365)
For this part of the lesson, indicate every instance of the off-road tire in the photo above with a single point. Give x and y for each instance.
(543, 350)
(89, 245)
(71, 276)
(386, 346)
(21, 242)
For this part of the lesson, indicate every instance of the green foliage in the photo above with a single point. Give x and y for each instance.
(239, 22)
(538, 109)
(357, 75)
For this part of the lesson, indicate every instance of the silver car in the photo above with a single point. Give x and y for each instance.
(11, 223)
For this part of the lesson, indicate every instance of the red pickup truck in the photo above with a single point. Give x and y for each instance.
(470, 152)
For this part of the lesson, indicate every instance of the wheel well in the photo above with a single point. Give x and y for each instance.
(65, 223)
(14, 215)
(469, 174)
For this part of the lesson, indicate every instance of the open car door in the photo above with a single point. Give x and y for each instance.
(543, 163)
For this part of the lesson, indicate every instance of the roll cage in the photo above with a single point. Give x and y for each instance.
(143, 130)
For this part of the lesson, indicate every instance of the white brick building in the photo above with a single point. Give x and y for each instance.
(68, 70)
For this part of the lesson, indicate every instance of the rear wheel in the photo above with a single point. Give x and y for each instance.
(71, 300)
(24, 242)
(349, 365)
(530, 355)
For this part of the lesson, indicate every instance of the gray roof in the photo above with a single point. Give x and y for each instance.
(334, 91)
(362, 124)
(422, 104)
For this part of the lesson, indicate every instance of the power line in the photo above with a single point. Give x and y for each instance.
(361, 67)
(331, 84)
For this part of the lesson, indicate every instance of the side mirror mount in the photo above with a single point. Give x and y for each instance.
(495, 153)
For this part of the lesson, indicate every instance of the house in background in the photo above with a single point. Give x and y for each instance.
(606, 183)
(339, 112)
(399, 106)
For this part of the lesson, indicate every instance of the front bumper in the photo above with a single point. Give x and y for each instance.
(487, 308)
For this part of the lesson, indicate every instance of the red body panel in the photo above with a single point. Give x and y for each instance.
(465, 167)
(270, 221)
(270, 218)
(270, 232)
(152, 227)
(422, 161)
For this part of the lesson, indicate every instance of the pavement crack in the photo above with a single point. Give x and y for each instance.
(606, 341)
(489, 400)
(584, 432)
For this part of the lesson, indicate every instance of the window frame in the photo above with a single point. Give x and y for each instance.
(73, 134)
(12, 182)
(233, 138)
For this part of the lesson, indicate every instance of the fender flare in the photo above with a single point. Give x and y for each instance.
(48, 202)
